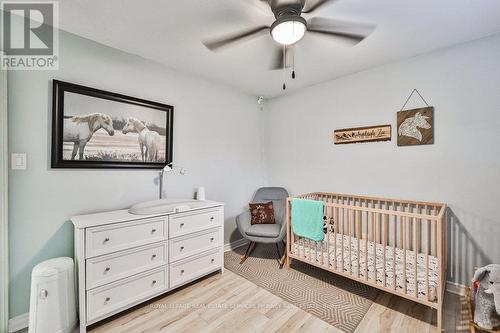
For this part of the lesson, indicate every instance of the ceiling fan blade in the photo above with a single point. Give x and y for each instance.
(261, 5)
(352, 32)
(277, 60)
(316, 6)
(215, 44)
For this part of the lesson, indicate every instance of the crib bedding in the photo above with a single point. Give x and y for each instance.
(307, 249)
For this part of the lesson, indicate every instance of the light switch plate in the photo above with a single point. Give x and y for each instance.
(18, 161)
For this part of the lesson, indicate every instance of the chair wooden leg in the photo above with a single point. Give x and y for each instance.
(281, 258)
(284, 258)
(249, 250)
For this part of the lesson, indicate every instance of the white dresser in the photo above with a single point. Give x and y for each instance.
(124, 259)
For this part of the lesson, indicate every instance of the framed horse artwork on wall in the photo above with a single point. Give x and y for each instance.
(93, 128)
(416, 127)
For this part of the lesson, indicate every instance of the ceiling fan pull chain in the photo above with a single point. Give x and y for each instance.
(293, 63)
(284, 66)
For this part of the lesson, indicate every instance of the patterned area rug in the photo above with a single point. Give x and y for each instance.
(339, 301)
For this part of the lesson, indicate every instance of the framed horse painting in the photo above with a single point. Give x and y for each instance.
(92, 128)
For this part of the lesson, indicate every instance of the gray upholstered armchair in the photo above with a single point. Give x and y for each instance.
(265, 233)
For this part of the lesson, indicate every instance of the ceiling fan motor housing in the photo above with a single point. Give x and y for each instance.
(284, 8)
(286, 18)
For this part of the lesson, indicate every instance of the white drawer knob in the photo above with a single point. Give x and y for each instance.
(106, 239)
(182, 224)
(182, 248)
(154, 282)
(182, 271)
(211, 218)
(107, 300)
(211, 239)
(153, 256)
(107, 269)
(212, 260)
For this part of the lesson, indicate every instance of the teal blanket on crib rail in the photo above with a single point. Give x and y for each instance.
(307, 219)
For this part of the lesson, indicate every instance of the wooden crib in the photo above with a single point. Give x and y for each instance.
(397, 246)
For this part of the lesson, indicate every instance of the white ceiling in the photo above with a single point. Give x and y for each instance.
(169, 32)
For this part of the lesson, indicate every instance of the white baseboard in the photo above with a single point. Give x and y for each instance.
(235, 244)
(19, 323)
(455, 288)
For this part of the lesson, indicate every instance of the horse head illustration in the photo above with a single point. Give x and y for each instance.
(149, 141)
(410, 126)
(133, 125)
(80, 129)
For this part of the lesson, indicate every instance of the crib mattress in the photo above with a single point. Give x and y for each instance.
(310, 249)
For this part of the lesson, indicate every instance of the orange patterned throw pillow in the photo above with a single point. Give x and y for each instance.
(262, 213)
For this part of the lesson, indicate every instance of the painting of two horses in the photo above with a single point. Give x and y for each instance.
(94, 128)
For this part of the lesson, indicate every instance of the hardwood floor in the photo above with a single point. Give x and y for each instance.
(229, 303)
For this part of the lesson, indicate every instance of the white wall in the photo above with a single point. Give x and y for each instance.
(461, 169)
(216, 137)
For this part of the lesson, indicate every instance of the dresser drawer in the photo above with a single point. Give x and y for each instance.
(109, 268)
(112, 297)
(185, 246)
(194, 267)
(184, 223)
(120, 236)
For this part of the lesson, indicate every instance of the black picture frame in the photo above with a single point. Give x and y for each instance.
(57, 161)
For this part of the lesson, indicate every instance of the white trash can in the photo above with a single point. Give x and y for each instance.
(52, 302)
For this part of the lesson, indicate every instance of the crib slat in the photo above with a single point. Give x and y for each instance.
(395, 239)
(435, 233)
(335, 232)
(310, 246)
(327, 264)
(291, 244)
(358, 236)
(366, 245)
(330, 218)
(349, 239)
(427, 224)
(384, 237)
(322, 244)
(401, 235)
(374, 240)
(415, 248)
(299, 249)
(303, 246)
(312, 250)
(342, 243)
(404, 253)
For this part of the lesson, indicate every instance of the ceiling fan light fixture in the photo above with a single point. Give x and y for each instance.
(287, 30)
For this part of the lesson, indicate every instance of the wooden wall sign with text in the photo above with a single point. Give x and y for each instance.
(362, 134)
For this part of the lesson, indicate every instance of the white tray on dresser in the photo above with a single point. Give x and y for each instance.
(124, 259)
